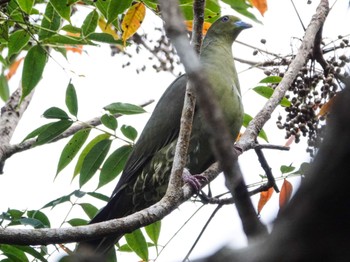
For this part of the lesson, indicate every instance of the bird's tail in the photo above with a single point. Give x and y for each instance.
(117, 207)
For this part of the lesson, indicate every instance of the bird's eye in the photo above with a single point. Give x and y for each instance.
(225, 19)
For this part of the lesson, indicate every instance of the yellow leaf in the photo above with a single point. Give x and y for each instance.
(326, 107)
(286, 193)
(189, 25)
(132, 20)
(109, 29)
(13, 68)
(264, 197)
(261, 5)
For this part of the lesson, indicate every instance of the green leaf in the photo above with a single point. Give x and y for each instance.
(37, 131)
(52, 131)
(55, 113)
(93, 160)
(66, 40)
(58, 201)
(242, 8)
(115, 8)
(271, 80)
(287, 169)
(102, 6)
(71, 29)
(246, 119)
(79, 193)
(151, 4)
(104, 38)
(72, 100)
(86, 150)
(31, 251)
(109, 121)
(4, 88)
(124, 108)
(72, 148)
(50, 24)
(303, 169)
(90, 23)
(114, 164)
(129, 132)
(17, 41)
(77, 222)
(138, 244)
(99, 196)
(13, 253)
(34, 64)
(35, 223)
(15, 213)
(4, 32)
(26, 5)
(38, 215)
(89, 209)
(71, 2)
(187, 10)
(153, 231)
(267, 92)
(62, 8)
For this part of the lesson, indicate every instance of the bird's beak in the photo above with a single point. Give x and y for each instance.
(242, 24)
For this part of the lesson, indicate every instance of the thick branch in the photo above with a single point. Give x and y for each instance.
(115, 226)
(11, 113)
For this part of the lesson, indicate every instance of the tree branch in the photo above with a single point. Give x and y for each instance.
(11, 114)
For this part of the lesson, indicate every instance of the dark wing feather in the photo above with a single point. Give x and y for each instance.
(161, 129)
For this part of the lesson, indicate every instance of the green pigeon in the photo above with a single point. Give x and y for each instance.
(146, 174)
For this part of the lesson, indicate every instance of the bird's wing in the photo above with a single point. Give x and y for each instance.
(162, 128)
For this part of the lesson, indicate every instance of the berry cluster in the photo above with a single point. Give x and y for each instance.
(159, 47)
(310, 96)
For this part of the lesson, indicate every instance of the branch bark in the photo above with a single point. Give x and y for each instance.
(11, 114)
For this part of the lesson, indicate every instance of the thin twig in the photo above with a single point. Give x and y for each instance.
(267, 168)
(202, 231)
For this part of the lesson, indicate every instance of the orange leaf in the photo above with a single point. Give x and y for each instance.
(189, 25)
(286, 193)
(238, 136)
(74, 48)
(264, 197)
(261, 5)
(109, 29)
(326, 107)
(13, 68)
(133, 20)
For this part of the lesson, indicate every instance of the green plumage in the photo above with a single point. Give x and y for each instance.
(146, 174)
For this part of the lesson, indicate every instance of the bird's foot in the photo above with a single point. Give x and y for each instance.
(195, 181)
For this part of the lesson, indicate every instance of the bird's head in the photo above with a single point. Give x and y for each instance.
(227, 26)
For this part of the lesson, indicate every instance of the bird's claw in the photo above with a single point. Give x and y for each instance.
(195, 181)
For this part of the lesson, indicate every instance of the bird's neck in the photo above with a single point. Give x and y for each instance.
(216, 56)
(216, 46)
